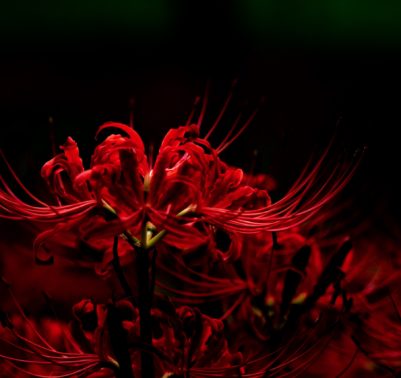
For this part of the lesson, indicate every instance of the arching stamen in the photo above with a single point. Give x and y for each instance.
(320, 347)
(301, 351)
(66, 332)
(131, 105)
(28, 322)
(78, 372)
(204, 105)
(222, 111)
(349, 364)
(233, 307)
(200, 283)
(19, 182)
(282, 214)
(241, 130)
(191, 115)
(217, 293)
(232, 128)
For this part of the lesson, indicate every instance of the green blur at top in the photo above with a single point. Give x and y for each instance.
(299, 21)
(47, 19)
(324, 20)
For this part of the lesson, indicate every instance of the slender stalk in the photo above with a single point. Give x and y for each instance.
(120, 273)
(145, 305)
(119, 344)
(153, 278)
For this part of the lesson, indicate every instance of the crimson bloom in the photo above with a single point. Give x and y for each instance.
(182, 198)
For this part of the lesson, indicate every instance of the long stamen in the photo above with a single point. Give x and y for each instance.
(222, 111)
(200, 283)
(204, 105)
(21, 311)
(191, 115)
(77, 372)
(222, 147)
(230, 132)
(232, 308)
(19, 182)
(131, 112)
(272, 217)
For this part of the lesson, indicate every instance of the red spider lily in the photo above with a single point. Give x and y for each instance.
(188, 188)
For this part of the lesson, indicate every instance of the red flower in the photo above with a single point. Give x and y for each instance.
(188, 190)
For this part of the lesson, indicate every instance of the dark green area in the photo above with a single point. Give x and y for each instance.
(48, 20)
(325, 20)
(314, 21)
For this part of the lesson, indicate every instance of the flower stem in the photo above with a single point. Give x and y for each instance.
(120, 273)
(119, 344)
(145, 305)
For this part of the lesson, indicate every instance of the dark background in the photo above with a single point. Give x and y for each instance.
(315, 65)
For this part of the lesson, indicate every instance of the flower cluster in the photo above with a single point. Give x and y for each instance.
(206, 275)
